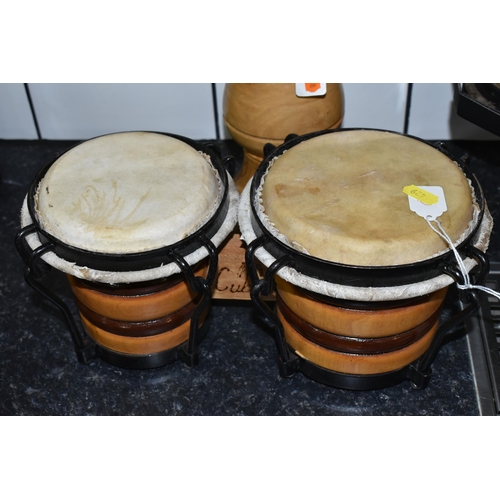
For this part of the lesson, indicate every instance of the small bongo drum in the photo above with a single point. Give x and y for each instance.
(359, 278)
(134, 220)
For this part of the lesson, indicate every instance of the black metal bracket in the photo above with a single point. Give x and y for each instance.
(288, 361)
(229, 163)
(36, 270)
(420, 371)
(268, 149)
(200, 286)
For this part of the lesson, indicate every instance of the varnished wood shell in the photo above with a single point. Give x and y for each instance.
(141, 302)
(137, 319)
(138, 345)
(369, 322)
(260, 113)
(139, 328)
(355, 345)
(355, 364)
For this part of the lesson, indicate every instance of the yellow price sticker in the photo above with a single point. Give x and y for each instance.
(421, 194)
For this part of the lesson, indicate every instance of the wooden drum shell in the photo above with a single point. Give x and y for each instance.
(367, 322)
(360, 340)
(355, 364)
(139, 319)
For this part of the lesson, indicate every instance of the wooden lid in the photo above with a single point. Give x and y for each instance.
(128, 192)
(339, 197)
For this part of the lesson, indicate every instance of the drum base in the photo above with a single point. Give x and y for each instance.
(155, 360)
(137, 362)
(353, 382)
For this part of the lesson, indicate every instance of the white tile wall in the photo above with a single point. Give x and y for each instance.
(16, 120)
(224, 133)
(81, 111)
(375, 105)
(433, 115)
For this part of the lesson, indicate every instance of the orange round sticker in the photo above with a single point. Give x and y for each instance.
(312, 87)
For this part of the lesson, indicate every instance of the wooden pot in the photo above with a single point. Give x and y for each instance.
(260, 113)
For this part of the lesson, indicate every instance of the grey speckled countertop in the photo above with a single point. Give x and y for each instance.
(237, 373)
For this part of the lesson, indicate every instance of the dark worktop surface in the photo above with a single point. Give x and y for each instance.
(237, 373)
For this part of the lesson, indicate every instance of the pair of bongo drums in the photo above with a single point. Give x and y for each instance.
(358, 280)
(134, 220)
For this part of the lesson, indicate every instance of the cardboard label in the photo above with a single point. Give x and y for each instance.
(435, 202)
(310, 89)
(421, 194)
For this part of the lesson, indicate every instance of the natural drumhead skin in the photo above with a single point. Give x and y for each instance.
(127, 192)
(339, 197)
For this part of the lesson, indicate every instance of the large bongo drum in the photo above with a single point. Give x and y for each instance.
(134, 220)
(359, 278)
